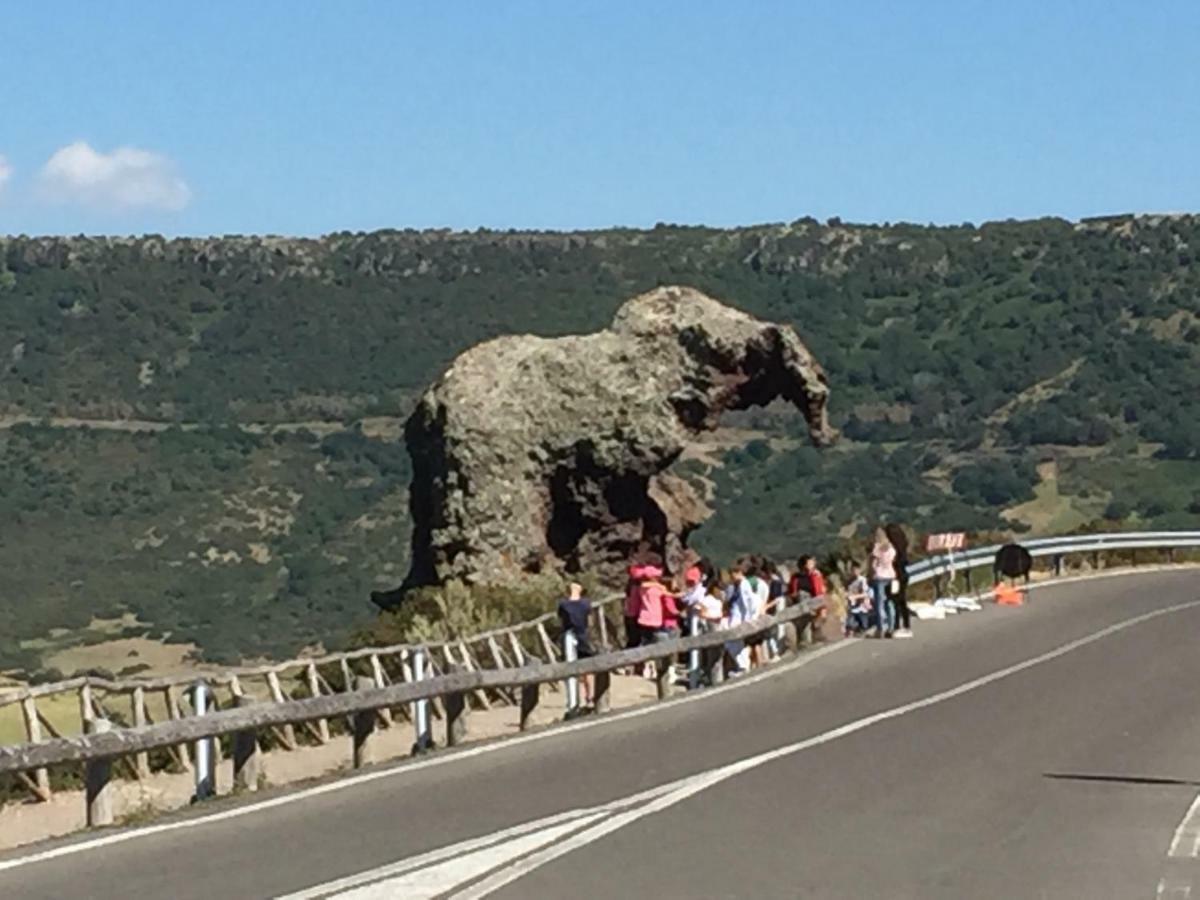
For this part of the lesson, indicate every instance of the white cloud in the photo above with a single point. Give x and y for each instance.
(5, 172)
(125, 179)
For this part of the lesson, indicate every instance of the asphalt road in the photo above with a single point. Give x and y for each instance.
(1048, 751)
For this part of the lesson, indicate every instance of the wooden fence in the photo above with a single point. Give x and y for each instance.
(366, 706)
(140, 702)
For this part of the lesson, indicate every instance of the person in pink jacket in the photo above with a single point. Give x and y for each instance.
(883, 573)
(633, 606)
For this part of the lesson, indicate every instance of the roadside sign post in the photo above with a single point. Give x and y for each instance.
(947, 542)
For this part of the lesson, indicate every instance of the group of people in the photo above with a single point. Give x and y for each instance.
(658, 608)
(877, 602)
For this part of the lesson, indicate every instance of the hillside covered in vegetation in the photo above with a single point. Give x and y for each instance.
(204, 432)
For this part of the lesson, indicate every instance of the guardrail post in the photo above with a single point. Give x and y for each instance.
(1171, 555)
(97, 777)
(424, 740)
(967, 577)
(457, 708)
(246, 757)
(601, 693)
(715, 665)
(570, 654)
(693, 654)
(1058, 565)
(529, 702)
(363, 727)
(791, 637)
(205, 776)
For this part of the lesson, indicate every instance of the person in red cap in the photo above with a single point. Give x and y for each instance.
(694, 591)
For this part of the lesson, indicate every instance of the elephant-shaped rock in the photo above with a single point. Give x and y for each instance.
(536, 455)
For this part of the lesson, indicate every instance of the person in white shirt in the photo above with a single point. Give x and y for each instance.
(760, 590)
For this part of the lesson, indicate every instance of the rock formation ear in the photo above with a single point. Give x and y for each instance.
(539, 454)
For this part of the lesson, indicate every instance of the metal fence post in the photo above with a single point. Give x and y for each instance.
(424, 740)
(570, 654)
(205, 775)
(694, 653)
(1058, 565)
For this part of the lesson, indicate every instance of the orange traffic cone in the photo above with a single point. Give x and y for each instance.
(1006, 595)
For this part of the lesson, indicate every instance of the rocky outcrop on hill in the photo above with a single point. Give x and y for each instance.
(539, 454)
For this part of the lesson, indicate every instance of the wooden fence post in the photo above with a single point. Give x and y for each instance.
(141, 760)
(547, 644)
(381, 682)
(288, 732)
(364, 727)
(175, 713)
(601, 692)
(86, 712)
(517, 649)
(98, 780)
(714, 665)
(529, 702)
(662, 677)
(33, 732)
(314, 688)
(247, 761)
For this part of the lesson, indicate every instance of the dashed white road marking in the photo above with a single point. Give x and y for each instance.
(684, 788)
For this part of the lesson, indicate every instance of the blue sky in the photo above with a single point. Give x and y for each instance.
(305, 118)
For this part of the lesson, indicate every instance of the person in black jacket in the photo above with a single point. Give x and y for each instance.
(899, 592)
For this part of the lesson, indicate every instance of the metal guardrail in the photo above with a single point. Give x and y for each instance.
(943, 564)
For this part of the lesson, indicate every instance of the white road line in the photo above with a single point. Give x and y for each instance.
(405, 768)
(573, 816)
(435, 856)
(693, 784)
(1186, 840)
(433, 881)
